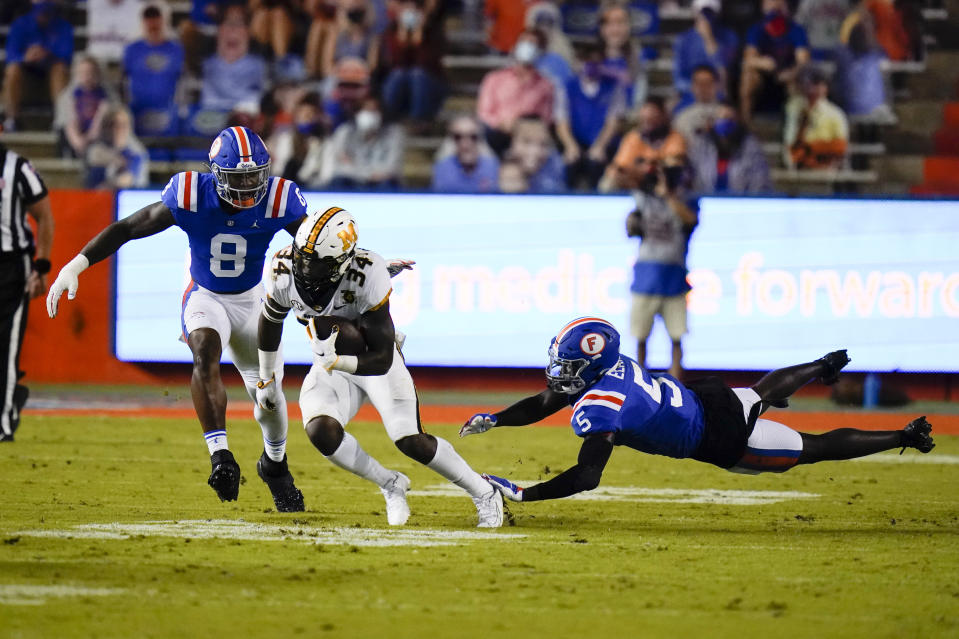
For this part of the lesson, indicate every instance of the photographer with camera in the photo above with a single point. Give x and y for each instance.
(664, 223)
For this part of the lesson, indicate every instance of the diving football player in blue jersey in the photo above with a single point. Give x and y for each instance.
(229, 216)
(617, 403)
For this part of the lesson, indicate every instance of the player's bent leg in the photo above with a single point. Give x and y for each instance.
(776, 386)
(343, 450)
(849, 443)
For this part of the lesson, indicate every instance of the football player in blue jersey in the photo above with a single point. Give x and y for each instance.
(616, 402)
(229, 216)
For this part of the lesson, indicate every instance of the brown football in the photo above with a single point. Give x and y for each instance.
(350, 340)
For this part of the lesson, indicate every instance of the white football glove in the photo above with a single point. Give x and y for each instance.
(324, 350)
(395, 267)
(506, 488)
(478, 423)
(268, 393)
(68, 279)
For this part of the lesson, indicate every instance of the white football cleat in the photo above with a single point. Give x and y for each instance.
(490, 509)
(397, 510)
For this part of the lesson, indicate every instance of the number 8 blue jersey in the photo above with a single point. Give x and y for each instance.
(227, 250)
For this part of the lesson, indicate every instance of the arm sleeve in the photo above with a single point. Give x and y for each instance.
(585, 475)
(31, 187)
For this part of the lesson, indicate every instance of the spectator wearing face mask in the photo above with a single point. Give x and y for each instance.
(651, 141)
(353, 36)
(297, 150)
(588, 115)
(532, 148)
(776, 48)
(707, 43)
(816, 132)
(699, 115)
(470, 167)
(726, 158)
(413, 53)
(517, 90)
(365, 153)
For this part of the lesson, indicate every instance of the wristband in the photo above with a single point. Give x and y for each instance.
(346, 363)
(77, 265)
(267, 363)
(41, 266)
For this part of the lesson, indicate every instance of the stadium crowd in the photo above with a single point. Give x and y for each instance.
(338, 88)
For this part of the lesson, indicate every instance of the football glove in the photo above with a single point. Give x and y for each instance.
(68, 279)
(478, 423)
(395, 267)
(324, 350)
(268, 393)
(506, 488)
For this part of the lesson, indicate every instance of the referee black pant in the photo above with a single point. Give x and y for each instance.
(13, 322)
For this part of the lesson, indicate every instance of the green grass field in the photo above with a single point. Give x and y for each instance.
(109, 530)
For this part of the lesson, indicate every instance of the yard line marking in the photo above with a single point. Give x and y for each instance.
(30, 595)
(896, 458)
(655, 495)
(252, 531)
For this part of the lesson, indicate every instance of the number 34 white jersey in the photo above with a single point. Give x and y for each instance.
(364, 287)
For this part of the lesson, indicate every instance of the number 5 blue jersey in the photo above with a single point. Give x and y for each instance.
(656, 415)
(227, 250)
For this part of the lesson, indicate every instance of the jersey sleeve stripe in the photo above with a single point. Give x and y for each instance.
(272, 194)
(604, 398)
(382, 301)
(273, 316)
(283, 198)
(278, 201)
(275, 306)
(186, 191)
(194, 183)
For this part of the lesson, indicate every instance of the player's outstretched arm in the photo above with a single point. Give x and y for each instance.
(149, 220)
(528, 410)
(585, 475)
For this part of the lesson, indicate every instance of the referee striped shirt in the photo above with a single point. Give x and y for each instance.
(20, 186)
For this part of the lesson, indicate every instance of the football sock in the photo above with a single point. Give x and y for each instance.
(350, 456)
(847, 443)
(448, 463)
(274, 427)
(216, 440)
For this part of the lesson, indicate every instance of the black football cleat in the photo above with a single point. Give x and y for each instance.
(917, 435)
(225, 478)
(832, 363)
(277, 477)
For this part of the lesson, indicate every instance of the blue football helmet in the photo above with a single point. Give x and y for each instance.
(580, 354)
(240, 163)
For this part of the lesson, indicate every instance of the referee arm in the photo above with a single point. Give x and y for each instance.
(41, 212)
(149, 220)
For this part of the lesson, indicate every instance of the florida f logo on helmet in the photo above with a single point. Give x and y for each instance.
(592, 343)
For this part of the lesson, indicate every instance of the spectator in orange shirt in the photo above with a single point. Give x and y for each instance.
(652, 141)
(507, 18)
(506, 95)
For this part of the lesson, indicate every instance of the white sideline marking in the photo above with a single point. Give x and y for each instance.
(654, 495)
(239, 529)
(27, 595)
(907, 458)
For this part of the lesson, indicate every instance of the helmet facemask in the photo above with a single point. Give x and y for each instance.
(244, 186)
(565, 375)
(316, 275)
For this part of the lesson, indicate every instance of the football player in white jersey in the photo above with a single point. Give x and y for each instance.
(324, 273)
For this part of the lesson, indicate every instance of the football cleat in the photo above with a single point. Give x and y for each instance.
(225, 477)
(832, 363)
(276, 475)
(489, 507)
(397, 510)
(917, 435)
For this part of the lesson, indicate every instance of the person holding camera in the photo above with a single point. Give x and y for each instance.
(664, 223)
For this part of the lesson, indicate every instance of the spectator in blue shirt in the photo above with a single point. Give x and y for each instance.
(199, 29)
(41, 42)
(859, 80)
(152, 67)
(622, 56)
(468, 169)
(588, 115)
(708, 42)
(118, 160)
(532, 148)
(233, 77)
(776, 48)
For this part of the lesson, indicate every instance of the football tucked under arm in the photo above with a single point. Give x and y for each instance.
(349, 340)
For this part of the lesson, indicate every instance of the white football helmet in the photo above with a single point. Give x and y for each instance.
(323, 250)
